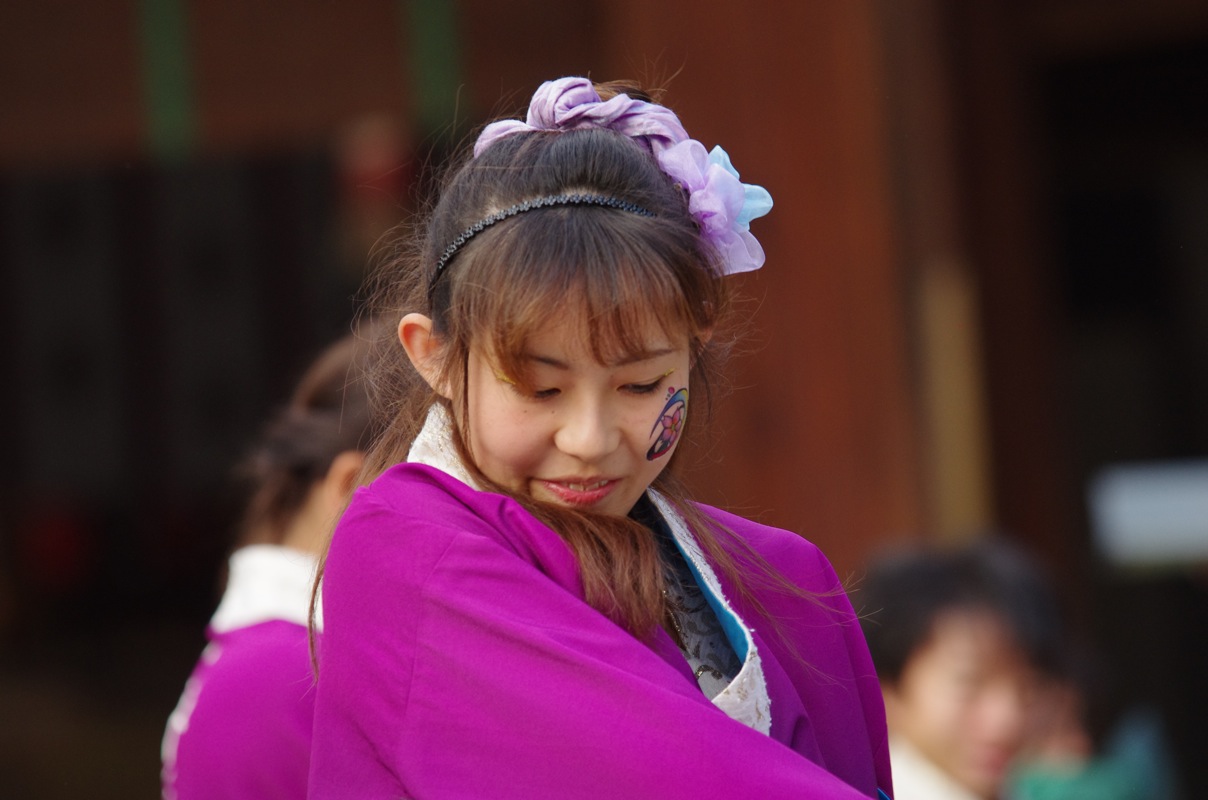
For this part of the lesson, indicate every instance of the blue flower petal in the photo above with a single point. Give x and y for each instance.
(722, 159)
(756, 199)
(756, 202)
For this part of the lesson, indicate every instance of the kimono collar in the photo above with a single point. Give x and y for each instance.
(266, 582)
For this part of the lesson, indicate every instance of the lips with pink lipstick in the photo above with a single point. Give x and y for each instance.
(580, 491)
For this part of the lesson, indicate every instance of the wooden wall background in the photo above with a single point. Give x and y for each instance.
(823, 433)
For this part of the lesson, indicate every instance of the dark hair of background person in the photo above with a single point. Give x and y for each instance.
(327, 414)
(905, 592)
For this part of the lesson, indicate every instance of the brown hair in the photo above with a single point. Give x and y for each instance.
(625, 272)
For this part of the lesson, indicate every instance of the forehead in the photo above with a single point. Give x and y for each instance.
(974, 637)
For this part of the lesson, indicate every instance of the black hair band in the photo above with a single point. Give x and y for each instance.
(528, 205)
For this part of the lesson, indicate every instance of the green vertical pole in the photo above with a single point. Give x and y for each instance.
(167, 78)
(430, 38)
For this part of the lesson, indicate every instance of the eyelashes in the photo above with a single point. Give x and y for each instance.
(650, 388)
(638, 389)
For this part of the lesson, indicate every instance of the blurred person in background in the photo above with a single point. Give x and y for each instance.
(964, 640)
(242, 727)
(1064, 760)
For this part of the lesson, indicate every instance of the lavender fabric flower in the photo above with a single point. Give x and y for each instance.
(721, 204)
(569, 104)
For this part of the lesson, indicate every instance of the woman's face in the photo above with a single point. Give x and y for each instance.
(589, 435)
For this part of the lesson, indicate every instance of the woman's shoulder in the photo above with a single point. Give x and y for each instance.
(767, 539)
(789, 553)
(267, 664)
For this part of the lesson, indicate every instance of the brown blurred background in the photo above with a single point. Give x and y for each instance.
(987, 279)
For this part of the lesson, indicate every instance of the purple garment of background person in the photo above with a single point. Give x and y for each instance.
(242, 728)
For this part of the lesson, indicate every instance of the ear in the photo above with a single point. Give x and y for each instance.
(423, 348)
(893, 704)
(341, 479)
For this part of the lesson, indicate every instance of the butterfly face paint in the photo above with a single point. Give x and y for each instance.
(670, 424)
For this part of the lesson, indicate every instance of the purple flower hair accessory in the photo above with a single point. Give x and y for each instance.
(721, 204)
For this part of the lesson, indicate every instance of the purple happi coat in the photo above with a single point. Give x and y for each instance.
(243, 725)
(459, 660)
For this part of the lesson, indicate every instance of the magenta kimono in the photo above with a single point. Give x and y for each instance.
(242, 727)
(459, 660)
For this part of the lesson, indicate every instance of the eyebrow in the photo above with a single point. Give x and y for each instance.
(636, 358)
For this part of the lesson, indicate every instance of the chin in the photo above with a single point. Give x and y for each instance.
(985, 783)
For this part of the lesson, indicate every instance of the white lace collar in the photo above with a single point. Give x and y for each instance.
(746, 698)
(434, 447)
(266, 582)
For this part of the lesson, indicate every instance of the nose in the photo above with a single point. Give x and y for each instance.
(1004, 714)
(588, 430)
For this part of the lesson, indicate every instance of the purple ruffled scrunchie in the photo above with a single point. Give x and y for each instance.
(720, 203)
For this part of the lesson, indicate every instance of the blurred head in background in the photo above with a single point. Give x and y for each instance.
(963, 640)
(306, 461)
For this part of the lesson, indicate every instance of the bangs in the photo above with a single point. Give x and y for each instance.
(608, 269)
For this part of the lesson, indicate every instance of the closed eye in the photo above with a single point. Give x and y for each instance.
(644, 388)
(535, 394)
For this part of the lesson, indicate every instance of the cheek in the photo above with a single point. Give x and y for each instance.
(513, 436)
(502, 438)
(938, 702)
(668, 424)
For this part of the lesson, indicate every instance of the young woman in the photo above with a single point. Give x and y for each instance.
(524, 603)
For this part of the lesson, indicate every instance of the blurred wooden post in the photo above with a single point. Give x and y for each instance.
(944, 286)
(1038, 499)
